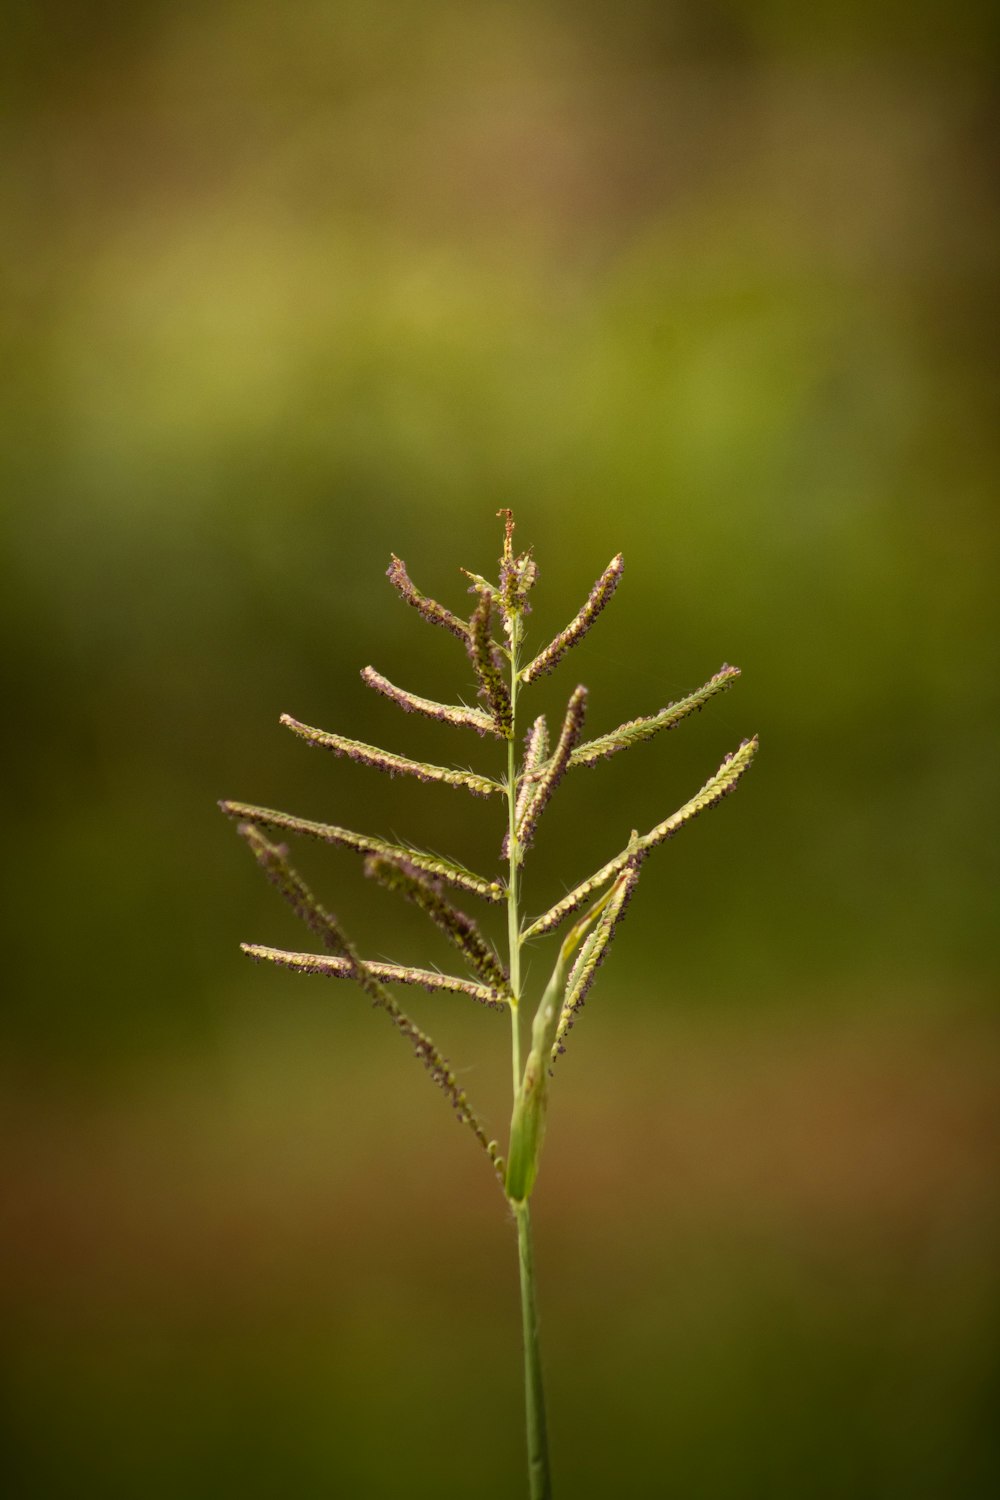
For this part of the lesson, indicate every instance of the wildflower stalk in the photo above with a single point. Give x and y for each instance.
(420, 877)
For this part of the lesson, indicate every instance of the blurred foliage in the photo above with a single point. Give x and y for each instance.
(287, 289)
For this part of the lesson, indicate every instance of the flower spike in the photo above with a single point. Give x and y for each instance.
(718, 786)
(553, 772)
(362, 843)
(448, 713)
(518, 575)
(536, 748)
(636, 730)
(488, 667)
(332, 967)
(273, 860)
(275, 864)
(394, 765)
(403, 876)
(577, 628)
(429, 609)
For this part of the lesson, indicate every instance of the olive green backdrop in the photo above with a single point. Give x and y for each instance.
(288, 288)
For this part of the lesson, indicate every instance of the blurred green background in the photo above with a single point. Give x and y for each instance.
(289, 288)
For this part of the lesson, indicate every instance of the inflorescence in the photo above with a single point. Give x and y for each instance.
(423, 878)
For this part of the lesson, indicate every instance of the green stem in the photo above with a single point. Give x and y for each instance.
(513, 920)
(539, 1478)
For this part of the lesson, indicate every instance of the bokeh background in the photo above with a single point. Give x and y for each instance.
(291, 287)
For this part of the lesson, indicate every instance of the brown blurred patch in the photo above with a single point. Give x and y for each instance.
(838, 1139)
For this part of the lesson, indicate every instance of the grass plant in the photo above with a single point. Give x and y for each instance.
(525, 783)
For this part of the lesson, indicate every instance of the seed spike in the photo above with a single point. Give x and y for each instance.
(488, 666)
(718, 786)
(553, 772)
(275, 864)
(333, 967)
(361, 843)
(735, 765)
(434, 1061)
(393, 765)
(577, 628)
(273, 860)
(448, 713)
(536, 748)
(428, 609)
(637, 730)
(402, 875)
(518, 576)
(508, 534)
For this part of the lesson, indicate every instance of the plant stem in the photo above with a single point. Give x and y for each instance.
(513, 920)
(539, 1478)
